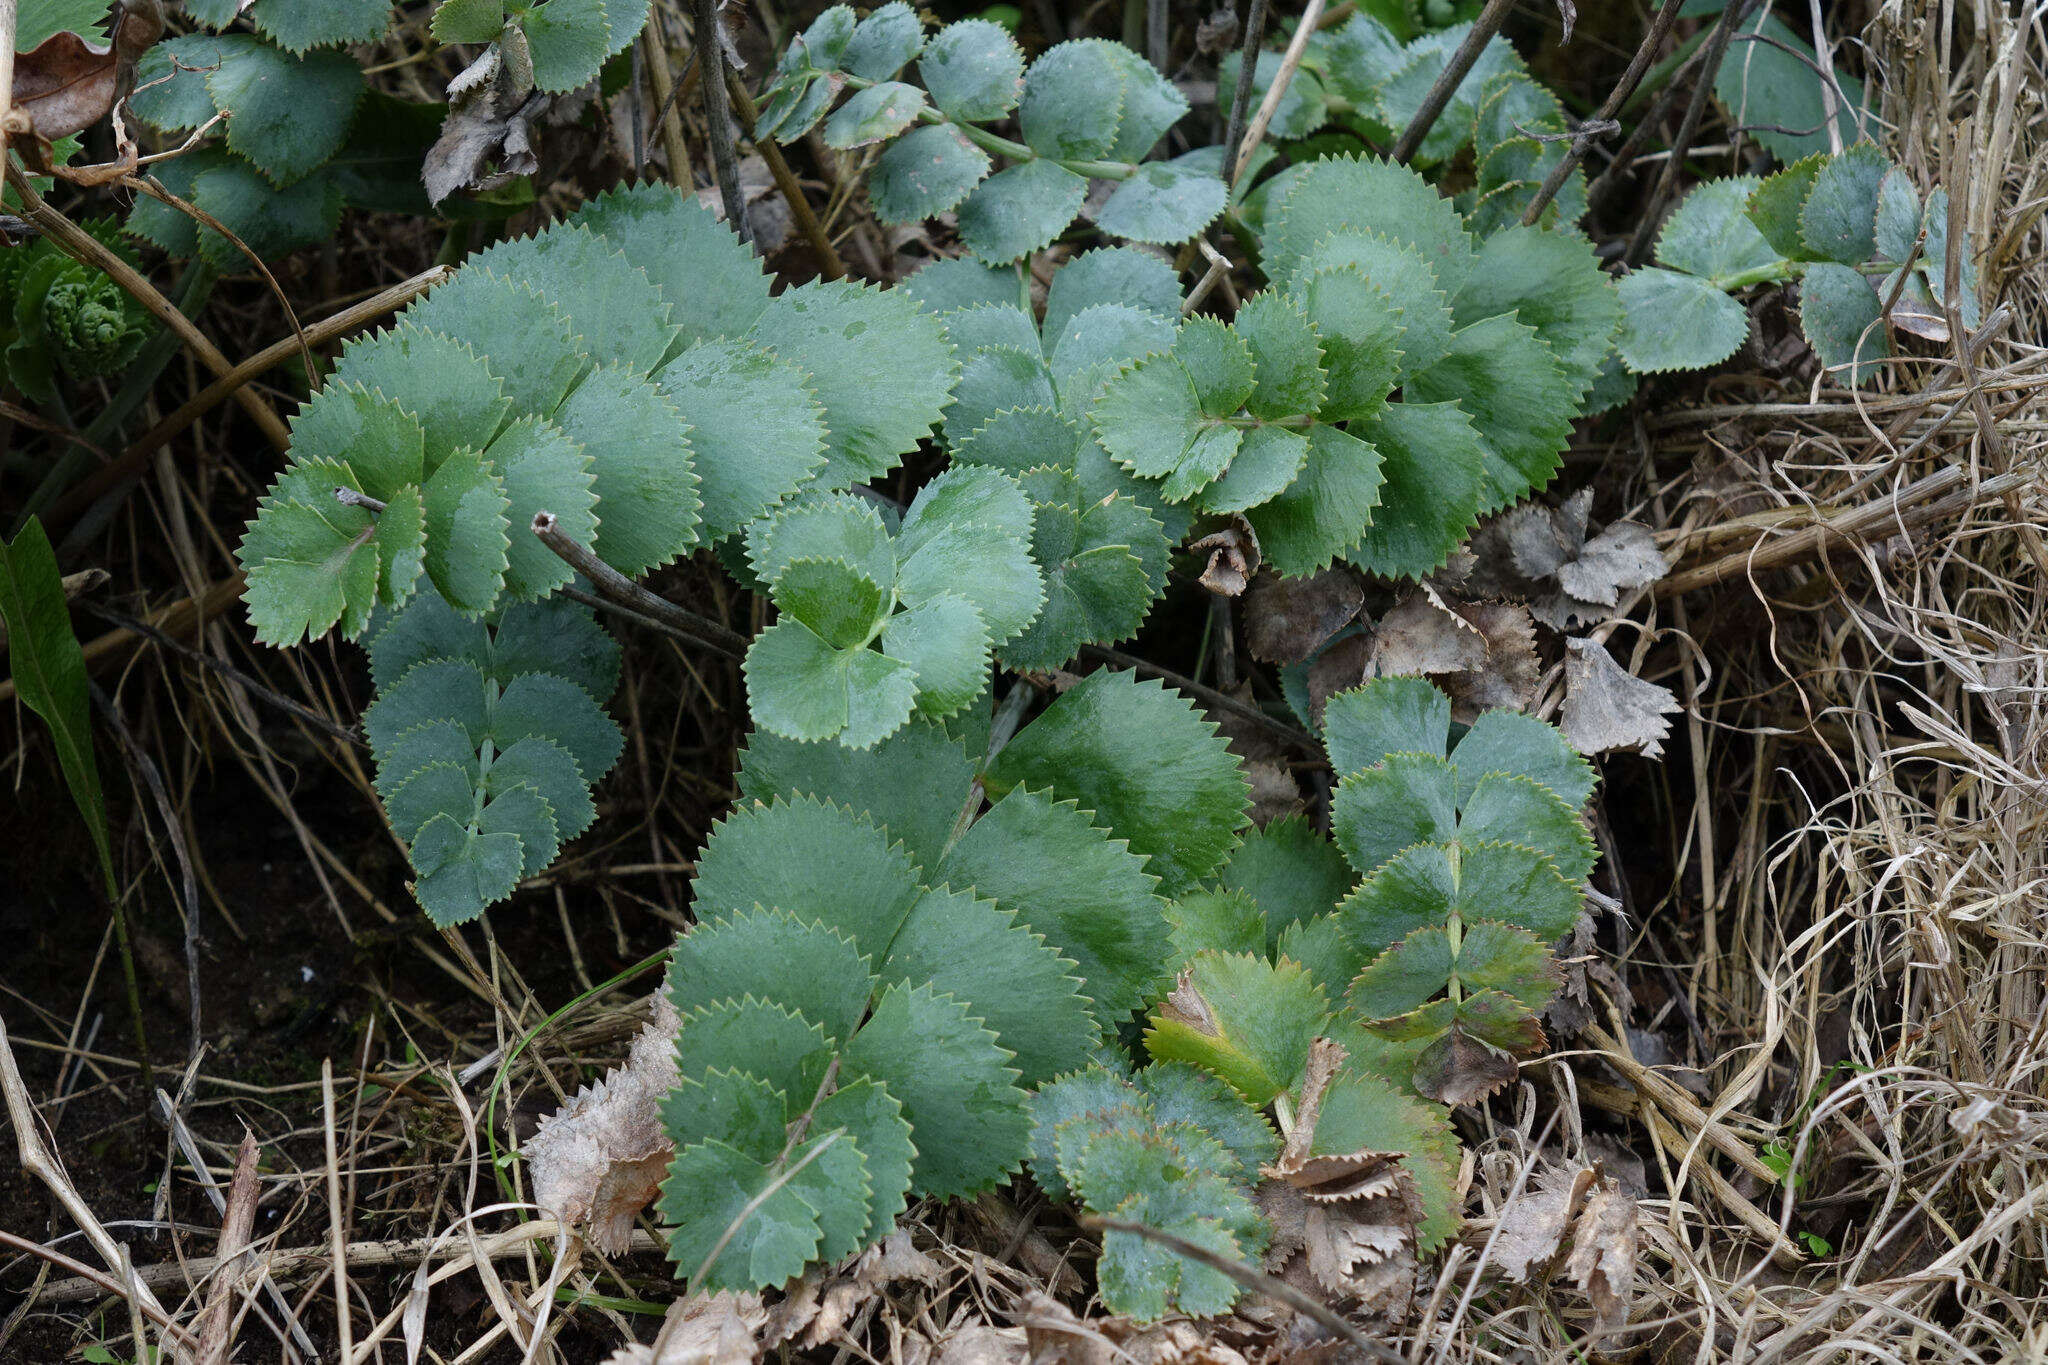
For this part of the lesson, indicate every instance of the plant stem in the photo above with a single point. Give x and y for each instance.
(1003, 147)
(718, 117)
(1248, 67)
(1703, 84)
(1660, 28)
(616, 587)
(1290, 62)
(829, 264)
(1483, 28)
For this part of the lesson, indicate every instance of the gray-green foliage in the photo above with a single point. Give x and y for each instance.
(1851, 229)
(59, 315)
(554, 45)
(1087, 110)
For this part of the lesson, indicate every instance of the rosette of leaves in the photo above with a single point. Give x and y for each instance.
(59, 314)
(875, 626)
(1850, 228)
(1289, 414)
(886, 966)
(625, 370)
(550, 45)
(1171, 1147)
(1085, 110)
(1100, 535)
(488, 734)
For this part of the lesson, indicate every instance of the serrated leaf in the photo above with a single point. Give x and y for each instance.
(1106, 275)
(1267, 461)
(465, 21)
(170, 78)
(910, 784)
(296, 27)
(1398, 270)
(1289, 871)
(1838, 221)
(1287, 355)
(1552, 282)
(1840, 315)
(772, 954)
(1351, 195)
(1771, 85)
(1097, 343)
(641, 470)
(1163, 201)
(712, 282)
(1302, 108)
(1145, 761)
(1072, 102)
(818, 861)
(945, 642)
(1510, 742)
(757, 432)
(1149, 415)
(286, 114)
(615, 311)
(270, 222)
(1425, 884)
(1405, 799)
(955, 1084)
(1427, 58)
(1521, 404)
(966, 534)
(878, 112)
(952, 283)
(1364, 1113)
(1359, 330)
(1006, 976)
(1247, 1021)
(542, 470)
(1898, 215)
(1328, 509)
(1078, 1096)
(838, 525)
(1017, 211)
(1711, 235)
(441, 382)
(833, 330)
(568, 41)
(463, 871)
(973, 70)
(305, 574)
(883, 43)
(1676, 322)
(873, 1118)
(1775, 203)
(1507, 807)
(1186, 1094)
(1218, 363)
(843, 606)
(1432, 461)
(524, 338)
(1097, 587)
(765, 1040)
(925, 173)
(712, 1188)
(1218, 921)
(1088, 894)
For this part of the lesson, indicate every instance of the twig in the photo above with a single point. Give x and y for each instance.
(336, 1239)
(1254, 34)
(663, 80)
(1483, 28)
(1290, 62)
(616, 587)
(81, 245)
(131, 462)
(1660, 28)
(7, 31)
(807, 222)
(1703, 85)
(718, 117)
(216, 1323)
(1252, 1279)
(97, 1281)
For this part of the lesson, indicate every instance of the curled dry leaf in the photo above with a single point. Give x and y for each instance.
(704, 1329)
(1546, 556)
(600, 1159)
(1603, 1259)
(819, 1307)
(1483, 654)
(1607, 707)
(1533, 1228)
(1348, 1219)
(66, 84)
(983, 1346)
(1344, 665)
(1286, 620)
(1461, 1068)
(487, 138)
(1055, 1335)
(1233, 554)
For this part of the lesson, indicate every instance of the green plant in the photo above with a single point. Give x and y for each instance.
(1851, 229)
(928, 964)
(554, 45)
(1086, 110)
(57, 314)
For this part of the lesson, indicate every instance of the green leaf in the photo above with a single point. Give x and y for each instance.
(841, 604)
(1510, 808)
(1268, 459)
(1329, 509)
(465, 21)
(1287, 355)
(712, 1189)
(1364, 1113)
(1711, 235)
(1433, 461)
(1185, 1094)
(956, 1086)
(1078, 1096)
(1072, 103)
(1510, 742)
(1005, 975)
(309, 560)
(270, 222)
(1775, 203)
(1116, 274)
(467, 547)
(1149, 416)
(41, 20)
(1838, 221)
(523, 337)
(818, 861)
(1521, 404)
(1096, 343)
(1218, 363)
(874, 114)
(296, 27)
(48, 669)
(1289, 871)
(1898, 215)
(463, 871)
(1219, 921)
(1427, 59)
(925, 173)
(286, 114)
(953, 283)
(973, 70)
(772, 954)
(1552, 282)
(1088, 894)
(1247, 1021)
(766, 1040)
(873, 1118)
(1399, 271)
(1163, 201)
(711, 280)
(1841, 317)
(1676, 322)
(1386, 716)
(837, 525)
(757, 431)
(1360, 331)
(1145, 761)
(1406, 799)
(910, 784)
(1097, 587)
(945, 642)
(641, 472)
(1771, 80)
(171, 79)
(1017, 211)
(1152, 104)
(615, 310)
(440, 382)
(883, 43)
(543, 470)
(1347, 195)
(1425, 885)
(873, 416)
(568, 40)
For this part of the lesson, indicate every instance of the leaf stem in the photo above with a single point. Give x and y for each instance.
(1433, 104)
(617, 588)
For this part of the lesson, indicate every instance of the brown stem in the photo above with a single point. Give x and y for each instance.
(829, 264)
(1483, 28)
(1660, 28)
(718, 117)
(616, 587)
(662, 78)
(1703, 85)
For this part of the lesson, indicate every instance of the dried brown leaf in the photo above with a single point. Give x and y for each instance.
(1342, 666)
(487, 138)
(1544, 556)
(1286, 620)
(1233, 557)
(1421, 635)
(600, 1159)
(704, 1329)
(1603, 1258)
(66, 84)
(1607, 707)
(1513, 668)
(984, 1346)
(1534, 1226)
(1461, 1068)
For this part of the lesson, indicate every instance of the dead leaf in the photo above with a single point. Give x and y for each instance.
(1545, 556)
(1603, 1259)
(1217, 34)
(1351, 1218)
(819, 1307)
(1921, 317)
(1233, 557)
(1342, 666)
(768, 214)
(1534, 1226)
(600, 1159)
(1513, 668)
(67, 84)
(487, 138)
(1461, 1068)
(1483, 654)
(1422, 636)
(1263, 760)
(984, 1346)
(704, 1329)
(1607, 707)
(1286, 620)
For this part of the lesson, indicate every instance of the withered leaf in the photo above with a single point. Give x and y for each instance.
(1421, 635)
(1233, 554)
(1286, 620)
(1534, 1226)
(704, 1329)
(1545, 555)
(487, 138)
(1461, 1068)
(66, 84)
(1513, 668)
(1603, 1259)
(984, 1346)
(1607, 707)
(1342, 666)
(1483, 654)
(1274, 790)
(600, 1159)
